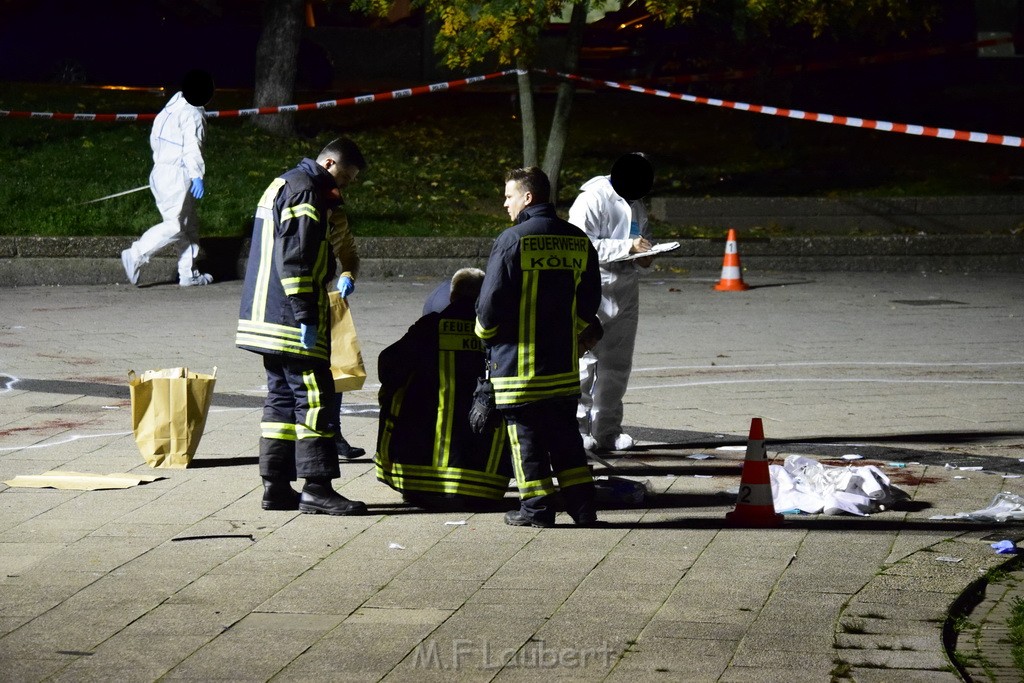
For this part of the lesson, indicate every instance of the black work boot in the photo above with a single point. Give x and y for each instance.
(579, 503)
(278, 494)
(347, 451)
(319, 497)
(518, 518)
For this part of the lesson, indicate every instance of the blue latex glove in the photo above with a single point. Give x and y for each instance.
(346, 286)
(1004, 547)
(197, 188)
(307, 334)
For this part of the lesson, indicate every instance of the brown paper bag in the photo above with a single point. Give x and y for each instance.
(169, 409)
(346, 356)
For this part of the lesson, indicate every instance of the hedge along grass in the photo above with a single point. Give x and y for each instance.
(437, 161)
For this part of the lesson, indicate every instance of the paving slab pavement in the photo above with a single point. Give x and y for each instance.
(186, 578)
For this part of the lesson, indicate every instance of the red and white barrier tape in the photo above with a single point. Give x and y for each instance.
(363, 99)
(327, 104)
(853, 122)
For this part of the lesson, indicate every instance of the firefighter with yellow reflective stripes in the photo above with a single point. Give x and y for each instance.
(284, 317)
(536, 312)
(426, 448)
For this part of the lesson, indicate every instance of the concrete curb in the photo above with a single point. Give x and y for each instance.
(57, 261)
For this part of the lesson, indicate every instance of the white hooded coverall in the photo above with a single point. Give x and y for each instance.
(177, 138)
(604, 370)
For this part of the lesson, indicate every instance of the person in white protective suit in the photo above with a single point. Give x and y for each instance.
(176, 181)
(609, 209)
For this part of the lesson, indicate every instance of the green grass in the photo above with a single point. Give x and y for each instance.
(437, 161)
(1016, 635)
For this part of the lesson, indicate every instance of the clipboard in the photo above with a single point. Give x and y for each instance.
(659, 248)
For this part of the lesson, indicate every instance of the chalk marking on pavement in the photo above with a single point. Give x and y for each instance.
(360, 409)
(9, 385)
(73, 437)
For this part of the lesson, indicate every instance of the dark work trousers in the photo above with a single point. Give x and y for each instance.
(297, 430)
(546, 445)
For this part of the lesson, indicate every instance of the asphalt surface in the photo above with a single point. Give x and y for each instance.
(186, 578)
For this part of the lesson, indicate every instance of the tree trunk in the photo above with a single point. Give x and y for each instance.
(559, 133)
(529, 118)
(277, 59)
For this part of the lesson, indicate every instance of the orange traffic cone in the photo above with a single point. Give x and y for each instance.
(732, 276)
(754, 506)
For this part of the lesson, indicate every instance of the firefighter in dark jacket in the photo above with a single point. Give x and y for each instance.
(537, 313)
(284, 317)
(426, 448)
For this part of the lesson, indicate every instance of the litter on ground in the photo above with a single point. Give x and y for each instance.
(1004, 506)
(81, 481)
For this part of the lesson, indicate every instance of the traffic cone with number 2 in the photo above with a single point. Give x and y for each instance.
(732, 275)
(754, 505)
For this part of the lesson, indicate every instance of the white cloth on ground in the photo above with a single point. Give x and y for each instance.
(805, 484)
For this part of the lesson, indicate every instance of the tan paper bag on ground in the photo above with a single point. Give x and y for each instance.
(346, 356)
(169, 409)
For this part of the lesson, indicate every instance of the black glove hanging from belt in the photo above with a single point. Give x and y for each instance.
(483, 416)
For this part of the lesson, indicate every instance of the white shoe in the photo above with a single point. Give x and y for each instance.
(196, 280)
(622, 442)
(131, 266)
(589, 443)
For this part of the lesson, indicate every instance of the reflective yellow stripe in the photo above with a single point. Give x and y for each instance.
(453, 473)
(270, 194)
(383, 455)
(574, 477)
(525, 347)
(517, 454)
(266, 264)
(445, 414)
(304, 432)
(265, 213)
(484, 332)
(277, 430)
(307, 210)
(527, 489)
(540, 487)
(265, 336)
(297, 285)
(324, 256)
(522, 382)
(496, 451)
(574, 347)
(529, 396)
(307, 430)
(515, 390)
(441, 480)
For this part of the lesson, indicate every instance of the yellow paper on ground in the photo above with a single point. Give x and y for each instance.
(78, 481)
(169, 409)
